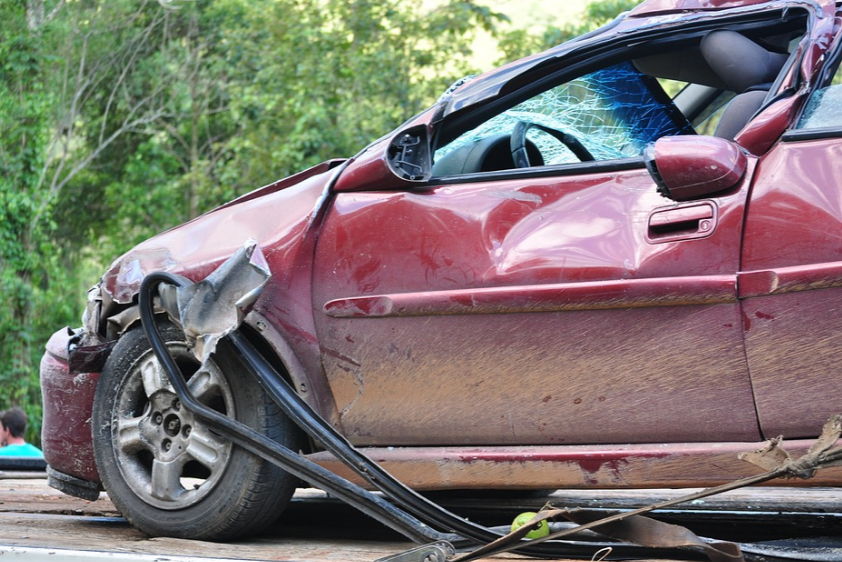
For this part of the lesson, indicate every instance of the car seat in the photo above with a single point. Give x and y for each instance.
(746, 68)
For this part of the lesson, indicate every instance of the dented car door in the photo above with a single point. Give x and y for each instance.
(559, 299)
(531, 311)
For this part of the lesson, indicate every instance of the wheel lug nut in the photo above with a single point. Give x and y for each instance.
(157, 418)
(172, 425)
(166, 445)
(187, 431)
(176, 404)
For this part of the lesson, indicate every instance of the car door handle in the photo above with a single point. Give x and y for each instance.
(681, 223)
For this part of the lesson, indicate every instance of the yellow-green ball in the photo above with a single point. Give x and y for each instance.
(542, 530)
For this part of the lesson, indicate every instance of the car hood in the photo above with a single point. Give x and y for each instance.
(276, 216)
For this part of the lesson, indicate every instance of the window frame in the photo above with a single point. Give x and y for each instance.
(578, 62)
(829, 72)
(646, 88)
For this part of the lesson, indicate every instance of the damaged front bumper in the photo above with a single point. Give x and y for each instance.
(70, 369)
(71, 365)
(68, 395)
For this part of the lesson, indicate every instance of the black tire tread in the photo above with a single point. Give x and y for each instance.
(266, 489)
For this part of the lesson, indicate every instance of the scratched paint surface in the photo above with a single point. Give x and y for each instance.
(648, 374)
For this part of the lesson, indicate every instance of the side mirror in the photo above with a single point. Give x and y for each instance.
(693, 167)
(405, 156)
(408, 155)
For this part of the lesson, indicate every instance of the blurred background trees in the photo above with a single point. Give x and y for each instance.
(121, 118)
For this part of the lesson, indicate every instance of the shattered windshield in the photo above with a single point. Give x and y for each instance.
(614, 112)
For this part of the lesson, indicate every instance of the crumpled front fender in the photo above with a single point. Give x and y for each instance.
(282, 219)
(277, 217)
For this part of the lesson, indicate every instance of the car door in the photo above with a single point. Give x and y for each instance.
(791, 284)
(562, 302)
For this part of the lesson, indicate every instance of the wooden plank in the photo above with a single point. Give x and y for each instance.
(317, 528)
(36, 516)
(115, 535)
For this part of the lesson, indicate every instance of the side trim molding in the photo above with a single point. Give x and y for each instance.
(789, 279)
(594, 295)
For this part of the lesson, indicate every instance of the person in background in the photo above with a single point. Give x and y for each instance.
(12, 430)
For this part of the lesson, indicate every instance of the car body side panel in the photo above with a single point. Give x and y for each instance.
(792, 260)
(502, 364)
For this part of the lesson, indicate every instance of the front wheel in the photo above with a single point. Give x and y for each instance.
(169, 474)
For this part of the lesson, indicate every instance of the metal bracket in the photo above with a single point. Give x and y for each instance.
(433, 552)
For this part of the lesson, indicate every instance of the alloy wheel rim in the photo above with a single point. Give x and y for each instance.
(168, 458)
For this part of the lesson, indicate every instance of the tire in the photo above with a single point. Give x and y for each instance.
(171, 476)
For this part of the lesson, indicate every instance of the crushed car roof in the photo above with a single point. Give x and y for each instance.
(661, 6)
(490, 84)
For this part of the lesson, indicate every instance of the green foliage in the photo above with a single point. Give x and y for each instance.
(344, 73)
(23, 272)
(519, 43)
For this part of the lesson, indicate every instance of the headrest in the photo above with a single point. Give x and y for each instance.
(685, 66)
(740, 62)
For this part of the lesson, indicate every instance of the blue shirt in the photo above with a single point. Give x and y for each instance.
(25, 450)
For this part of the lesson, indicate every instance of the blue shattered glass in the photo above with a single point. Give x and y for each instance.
(615, 112)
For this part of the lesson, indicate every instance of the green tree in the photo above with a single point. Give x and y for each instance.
(24, 120)
(519, 43)
(125, 65)
(339, 74)
(57, 60)
(248, 92)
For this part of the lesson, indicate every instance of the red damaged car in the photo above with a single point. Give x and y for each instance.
(611, 264)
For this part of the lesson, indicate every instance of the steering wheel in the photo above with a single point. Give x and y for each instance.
(518, 143)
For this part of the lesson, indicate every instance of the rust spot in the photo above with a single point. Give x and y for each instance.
(577, 401)
(601, 398)
(764, 316)
(546, 398)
